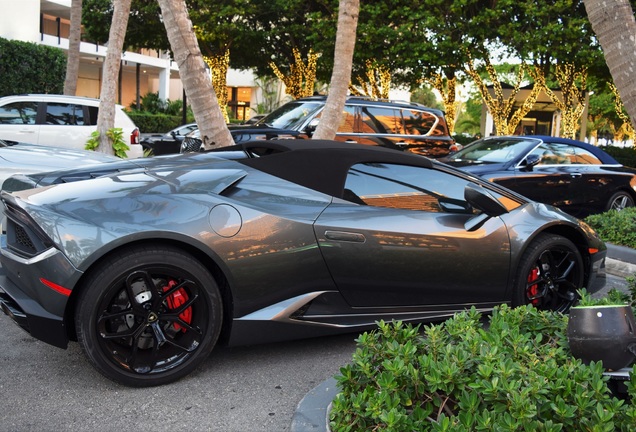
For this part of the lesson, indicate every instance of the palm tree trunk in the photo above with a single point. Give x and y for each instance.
(348, 11)
(196, 81)
(74, 39)
(614, 25)
(108, 94)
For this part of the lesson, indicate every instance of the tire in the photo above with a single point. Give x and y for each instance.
(549, 274)
(148, 316)
(619, 201)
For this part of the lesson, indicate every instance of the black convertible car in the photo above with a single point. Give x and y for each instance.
(576, 177)
(150, 263)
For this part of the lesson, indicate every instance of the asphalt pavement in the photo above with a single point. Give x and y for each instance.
(274, 387)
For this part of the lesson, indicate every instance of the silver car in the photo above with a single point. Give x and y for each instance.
(149, 267)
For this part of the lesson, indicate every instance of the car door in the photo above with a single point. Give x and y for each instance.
(64, 124)
(400, 240)
(18, 122)
(555, 179)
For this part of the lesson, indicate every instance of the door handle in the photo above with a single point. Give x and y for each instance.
(576, 175)
(345, 236)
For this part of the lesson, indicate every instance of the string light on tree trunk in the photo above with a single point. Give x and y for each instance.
(218, 69)
(301, 77)
(447, 90)
(626, 130)
(572, 83)
(500, 107)
(377, 83)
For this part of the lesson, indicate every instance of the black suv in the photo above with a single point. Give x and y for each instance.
(394, 124)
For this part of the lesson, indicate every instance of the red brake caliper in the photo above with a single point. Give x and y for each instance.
(533, 290)
(175, 301)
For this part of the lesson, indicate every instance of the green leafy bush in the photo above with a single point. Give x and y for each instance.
(514, 373)
(618, 227)
(157, 123)
(26, 67)
(116, 136)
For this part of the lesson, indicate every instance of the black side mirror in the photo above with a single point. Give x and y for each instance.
(479, 198)
(531, 161)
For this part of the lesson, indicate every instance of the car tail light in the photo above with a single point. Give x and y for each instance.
(134, 136)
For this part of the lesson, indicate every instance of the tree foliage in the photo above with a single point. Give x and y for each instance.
(145, 27)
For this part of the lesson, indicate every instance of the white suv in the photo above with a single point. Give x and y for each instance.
(58, 120)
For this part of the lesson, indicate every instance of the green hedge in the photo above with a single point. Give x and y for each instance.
(618, 227)
(156, 123)
(30, 68)
(514, 374)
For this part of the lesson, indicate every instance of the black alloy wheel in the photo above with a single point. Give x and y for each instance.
(549, 275)
(148, 316)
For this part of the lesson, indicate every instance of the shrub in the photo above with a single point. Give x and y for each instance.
(26, 67)
(515, 374)
(156, 123)
(618, 227)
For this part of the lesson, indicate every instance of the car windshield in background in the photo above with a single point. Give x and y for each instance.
(290, 114)
(493, 150)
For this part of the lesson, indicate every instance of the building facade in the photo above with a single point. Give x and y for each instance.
(47, 22)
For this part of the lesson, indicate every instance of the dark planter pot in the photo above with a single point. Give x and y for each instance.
(603, 333)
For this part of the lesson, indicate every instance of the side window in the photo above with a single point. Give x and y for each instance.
(19, 113)
(92, 116)
(347, 122)
(564, 154)
(380, 120)
(405, 187)
(64, 114)
(418, 122)
(582, 156)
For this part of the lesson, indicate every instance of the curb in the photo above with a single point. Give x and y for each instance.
(620, 261)
(312, 412)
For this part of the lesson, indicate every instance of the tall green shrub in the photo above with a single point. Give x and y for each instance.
(26, 67)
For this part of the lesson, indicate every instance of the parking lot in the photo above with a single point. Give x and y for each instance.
(242, 389)
(255, 388)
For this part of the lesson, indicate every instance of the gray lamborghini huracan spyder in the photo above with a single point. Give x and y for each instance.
(150, 263)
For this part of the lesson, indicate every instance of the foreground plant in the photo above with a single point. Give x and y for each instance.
(515, 373)
(116, 136)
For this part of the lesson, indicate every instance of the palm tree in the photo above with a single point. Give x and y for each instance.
(348, 11)
(196, 82)
(108, 94)
(614, 25)
(74, 39)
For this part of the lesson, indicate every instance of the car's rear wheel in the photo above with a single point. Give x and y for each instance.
(619, 201)
(148, 316)
(549, 274)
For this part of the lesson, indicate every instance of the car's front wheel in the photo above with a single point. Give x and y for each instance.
(148, 316)
(549, 274)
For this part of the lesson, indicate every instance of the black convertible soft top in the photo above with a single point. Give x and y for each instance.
(321, 165)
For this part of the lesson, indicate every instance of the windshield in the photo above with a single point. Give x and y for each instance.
(494, 150)
(290, 114)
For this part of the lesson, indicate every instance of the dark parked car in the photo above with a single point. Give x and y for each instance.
(168, 143)
(577, 177)
(240, 133)
(394, 124)
(149, 268)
